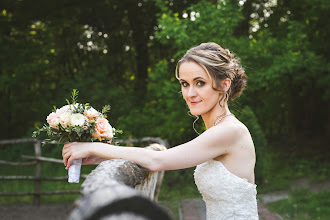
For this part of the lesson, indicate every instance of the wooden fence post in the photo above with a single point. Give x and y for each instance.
(37, 183)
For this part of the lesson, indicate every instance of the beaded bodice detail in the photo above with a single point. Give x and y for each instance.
(226, 195)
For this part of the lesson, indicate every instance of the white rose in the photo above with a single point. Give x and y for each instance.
(78, 119)
(60, 111)
(91, 113)
(74, 106)
(65, 119)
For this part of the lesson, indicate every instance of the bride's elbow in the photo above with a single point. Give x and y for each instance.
(156, 164)
(153, 168)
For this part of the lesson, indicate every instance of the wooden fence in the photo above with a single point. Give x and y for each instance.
(37, 161)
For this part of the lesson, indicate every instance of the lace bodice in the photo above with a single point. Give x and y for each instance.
(226, 195)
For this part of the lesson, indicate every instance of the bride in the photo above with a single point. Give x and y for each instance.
(210, 77)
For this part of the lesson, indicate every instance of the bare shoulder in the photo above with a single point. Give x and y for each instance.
(227, 133)
(231, 127)
(240, 127)
(242, 136)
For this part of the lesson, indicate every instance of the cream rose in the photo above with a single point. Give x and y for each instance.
(72, 107)
(65, 119)
(91, 113)
(78, 119)
(52, 120)
(60, 111)
(103, 129)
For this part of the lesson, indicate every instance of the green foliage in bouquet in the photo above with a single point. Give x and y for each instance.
(77, 122)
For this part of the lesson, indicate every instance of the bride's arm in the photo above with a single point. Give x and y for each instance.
(92, 160)
(214, 142)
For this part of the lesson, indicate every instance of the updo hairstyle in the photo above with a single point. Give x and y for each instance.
(219, 64)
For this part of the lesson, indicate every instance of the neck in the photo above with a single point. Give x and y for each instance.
(210, 117)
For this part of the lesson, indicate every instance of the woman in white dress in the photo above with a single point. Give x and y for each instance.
(224, 154)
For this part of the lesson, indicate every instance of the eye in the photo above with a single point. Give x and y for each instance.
(200, 83)
(184, 84)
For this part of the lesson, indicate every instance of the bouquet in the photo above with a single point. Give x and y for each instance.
(77, 122)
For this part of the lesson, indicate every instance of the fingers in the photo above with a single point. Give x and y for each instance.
(69, 162)
(69, 153)
(66, 156)
(65, 152)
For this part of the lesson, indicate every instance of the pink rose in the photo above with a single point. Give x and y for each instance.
(103, 129)
(52, 120)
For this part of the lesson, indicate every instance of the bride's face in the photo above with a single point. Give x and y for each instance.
(197, 89)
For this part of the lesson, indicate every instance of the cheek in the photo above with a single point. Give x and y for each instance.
(184, 94)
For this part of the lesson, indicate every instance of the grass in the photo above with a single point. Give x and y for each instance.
(288, 160)
(303, 205)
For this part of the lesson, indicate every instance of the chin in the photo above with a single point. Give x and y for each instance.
(195, 113)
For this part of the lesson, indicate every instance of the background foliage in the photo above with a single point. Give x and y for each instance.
(123, 53)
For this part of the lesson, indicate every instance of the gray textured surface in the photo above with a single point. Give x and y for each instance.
(107, 172)
(112, 183)
(90, 203)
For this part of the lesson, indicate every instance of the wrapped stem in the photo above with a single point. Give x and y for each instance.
(74, 171)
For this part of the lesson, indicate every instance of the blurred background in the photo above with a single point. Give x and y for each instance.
(124, 53)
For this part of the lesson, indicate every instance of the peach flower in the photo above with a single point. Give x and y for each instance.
(52, 120)
(103, 129)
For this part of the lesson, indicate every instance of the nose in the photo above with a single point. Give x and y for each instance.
(192, 92)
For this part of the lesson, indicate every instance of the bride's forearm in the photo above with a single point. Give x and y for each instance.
(143, 157)
(100, 160)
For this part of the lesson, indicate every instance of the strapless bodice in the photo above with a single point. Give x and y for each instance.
(226, 195)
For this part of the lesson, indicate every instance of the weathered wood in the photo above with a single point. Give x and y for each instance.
(117, 202)
(137, 206)
(108, 192)
(158, 184)
(17, 178)
(150, 186)
(59, 178)
(125, 172)
(17, 163)
(18, 141)
(39, 158)
(37, 183)
(147, 140)
(109, 171)
(58, 192)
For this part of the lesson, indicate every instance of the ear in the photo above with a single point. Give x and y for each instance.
(226, 84)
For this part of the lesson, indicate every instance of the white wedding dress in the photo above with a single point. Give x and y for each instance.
(226, 195)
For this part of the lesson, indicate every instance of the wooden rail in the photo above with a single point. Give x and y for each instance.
(37, 161)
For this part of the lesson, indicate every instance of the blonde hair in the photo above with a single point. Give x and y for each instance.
(219, 64)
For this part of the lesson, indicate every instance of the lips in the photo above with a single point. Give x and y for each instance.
(195, 103)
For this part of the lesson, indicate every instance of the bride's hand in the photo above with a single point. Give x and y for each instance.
(75, 150)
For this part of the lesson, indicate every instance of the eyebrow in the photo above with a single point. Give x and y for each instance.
(195, 79)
